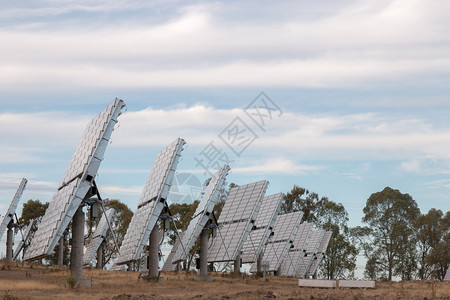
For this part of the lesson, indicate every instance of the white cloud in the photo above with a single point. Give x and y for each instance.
(34, 129)
(358, 44)
(412, 166)
(35, 188)
(326, 136)
(438, 184)
(112, 191)
(277, 165)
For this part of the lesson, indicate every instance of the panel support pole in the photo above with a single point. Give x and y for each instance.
(237, 264)
(204, 257)
(153, 253)
(204, 253)
(9, 243)
(99, 264)
(258, 264)
(61, 252)
(76, 255)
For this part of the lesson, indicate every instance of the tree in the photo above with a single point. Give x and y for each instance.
(388, 242)
(341, 254)
(32, 209)
(429, 233)
(438, 258)
(294, 201)
(340, 257)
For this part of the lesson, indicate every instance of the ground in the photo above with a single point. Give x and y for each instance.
(36, 282)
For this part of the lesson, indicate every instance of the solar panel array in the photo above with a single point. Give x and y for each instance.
(202, 214)
(151, 203)
(98, 237)
(24, 239)
(291, 264)
(12, 207)
(320, 253)
(264, 224)
(168, 264)
(285, 230)
(447, 275)
(236, 220)
(76, 181)
(311, 252)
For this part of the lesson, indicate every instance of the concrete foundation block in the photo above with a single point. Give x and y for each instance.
(317, 283)
(362, 284)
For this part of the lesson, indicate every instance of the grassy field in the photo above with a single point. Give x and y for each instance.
(18, 282)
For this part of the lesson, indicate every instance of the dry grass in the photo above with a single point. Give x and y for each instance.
(46, 283)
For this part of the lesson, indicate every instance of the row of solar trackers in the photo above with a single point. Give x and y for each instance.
(241, 233)
(238, 220)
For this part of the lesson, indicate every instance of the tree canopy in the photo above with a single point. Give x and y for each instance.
(388, 242)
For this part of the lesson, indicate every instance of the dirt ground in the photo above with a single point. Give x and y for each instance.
(27, 282)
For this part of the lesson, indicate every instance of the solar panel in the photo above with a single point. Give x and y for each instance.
(168, 264)
(285, 230)
(151, 203)
(313, 245)
(12, 207)
(24, 239)
(236, 220)
(320, 253)
(291, 264)
(264, 227)
(447, 275)
(98, 237)
(202, 213)
(76, 182)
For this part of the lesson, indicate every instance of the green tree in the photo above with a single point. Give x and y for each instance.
(301, 199)
(438, 258)
(32, 209)
(429, 233)
(341, 254)
(388, 243)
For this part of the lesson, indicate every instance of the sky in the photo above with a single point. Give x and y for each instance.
(355, 94)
